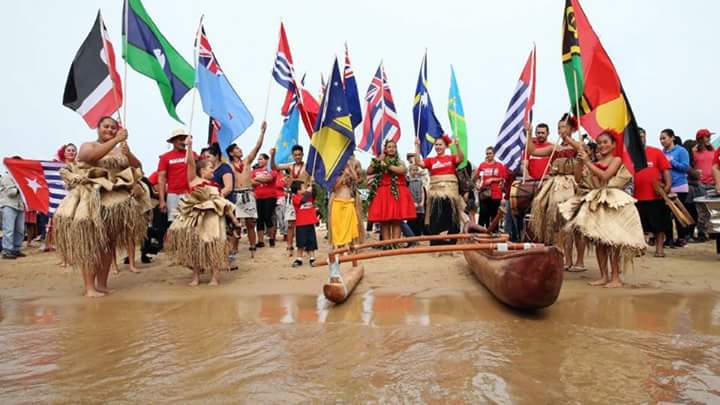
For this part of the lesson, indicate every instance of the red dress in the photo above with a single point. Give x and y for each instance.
(384, 207)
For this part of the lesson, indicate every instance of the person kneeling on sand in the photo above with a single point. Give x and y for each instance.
(197, 238)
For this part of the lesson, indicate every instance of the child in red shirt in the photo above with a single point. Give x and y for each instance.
(305, 219)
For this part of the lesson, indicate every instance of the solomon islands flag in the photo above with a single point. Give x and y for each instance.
(148, 52)
(333, 142)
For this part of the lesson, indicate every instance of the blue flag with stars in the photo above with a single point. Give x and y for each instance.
(427, 126)
(333, 141)
(288, 137)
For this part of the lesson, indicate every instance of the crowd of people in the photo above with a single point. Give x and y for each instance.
(197, 207)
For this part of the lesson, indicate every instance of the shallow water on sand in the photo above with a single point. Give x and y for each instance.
(380, 346)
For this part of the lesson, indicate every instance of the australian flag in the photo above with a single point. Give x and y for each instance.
(219, 99)
(351, 92)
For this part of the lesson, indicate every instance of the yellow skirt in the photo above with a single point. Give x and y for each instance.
(343, 221)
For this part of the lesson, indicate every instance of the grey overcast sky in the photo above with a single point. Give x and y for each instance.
(665, 51)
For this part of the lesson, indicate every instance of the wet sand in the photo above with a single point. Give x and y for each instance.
(417, 329)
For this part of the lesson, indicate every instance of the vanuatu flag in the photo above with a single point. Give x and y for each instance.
(333, 142)
(147, 51)
(596, 93)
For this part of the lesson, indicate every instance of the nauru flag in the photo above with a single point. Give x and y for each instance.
(91, 90)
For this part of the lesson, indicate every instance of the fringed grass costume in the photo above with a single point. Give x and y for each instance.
(605, 214)
(445, 205)
(106, 208)
(197, 238)
(545, 221)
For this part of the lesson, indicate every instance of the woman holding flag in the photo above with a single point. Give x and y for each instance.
(445, 205)
(105, 208)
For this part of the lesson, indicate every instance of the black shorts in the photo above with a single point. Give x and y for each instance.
(305, 237)
(655, 216)
(266, 213)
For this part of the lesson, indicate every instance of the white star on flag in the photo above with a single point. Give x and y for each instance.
(33, 184)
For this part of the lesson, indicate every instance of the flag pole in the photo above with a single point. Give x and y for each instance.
(417, 120)
(577, 105)
(195, 64)
(382, 100)
(107, 62)
(125, 68)
(269, 85)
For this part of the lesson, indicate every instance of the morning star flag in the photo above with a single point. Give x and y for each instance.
(380, 116)
(456, 115)
(594, 87)
(91, 90)
(333, 142)
(351, 92)
(39, 182)
(510, 145)
(427, 126)
(219, 99)
(148, 52)
(284, 74)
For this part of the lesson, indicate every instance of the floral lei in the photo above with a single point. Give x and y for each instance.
(379, 170)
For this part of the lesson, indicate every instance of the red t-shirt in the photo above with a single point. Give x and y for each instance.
(645, 178)
(268, 190)
(305, 213)
(445, 164)
(716, 158)
(173, 163)
(537, 164)
(492, 171)
(280, 186)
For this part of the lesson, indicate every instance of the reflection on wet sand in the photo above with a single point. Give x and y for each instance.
(380, 345)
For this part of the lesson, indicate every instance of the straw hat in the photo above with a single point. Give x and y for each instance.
(177, 133)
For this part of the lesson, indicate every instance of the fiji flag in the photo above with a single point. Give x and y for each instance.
(427, 126)
(219, 99)
(333, 142)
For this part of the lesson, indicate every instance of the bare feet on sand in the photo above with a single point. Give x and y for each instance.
(213, 282)
(103, 290)
(94, 294)
(614, 284)
(133, 269)
(194, 282)
(597, 283)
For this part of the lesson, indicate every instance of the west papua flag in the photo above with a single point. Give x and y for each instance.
(91, 89)
(39, 182)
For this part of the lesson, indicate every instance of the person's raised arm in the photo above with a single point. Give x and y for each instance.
(134, 162)
(458, 152)
(254, 151)
(578, 146)
(418, 161)
(275, 166)
(92, 152)
(189, 160)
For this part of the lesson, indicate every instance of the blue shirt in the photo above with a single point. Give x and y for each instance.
(679, 160)
(218, 174)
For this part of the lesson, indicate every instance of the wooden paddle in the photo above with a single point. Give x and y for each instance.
(675, 205)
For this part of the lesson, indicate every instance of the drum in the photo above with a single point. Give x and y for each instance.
(521, 196)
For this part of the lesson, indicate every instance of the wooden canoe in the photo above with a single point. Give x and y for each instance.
(338, 290)
(529, 279)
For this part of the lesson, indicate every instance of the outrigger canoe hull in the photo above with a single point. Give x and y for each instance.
(526, 280)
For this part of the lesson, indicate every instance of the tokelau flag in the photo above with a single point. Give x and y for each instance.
(596, 94)
(148, 52)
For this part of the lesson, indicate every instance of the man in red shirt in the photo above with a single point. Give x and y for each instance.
(716, 170)
(491, 174)
(264, 179)
(172, 175)
(654, 214)
(535, 166)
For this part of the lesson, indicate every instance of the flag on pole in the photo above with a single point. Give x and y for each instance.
(288, 136)
(380, 116)
(284, 75)
(91, 90)
(39, 182)
(219, 99)
(427, 126)
(456, 114)
(596, 93)
(510, 145)
(148, 52)
(351, 92)
(333, 142)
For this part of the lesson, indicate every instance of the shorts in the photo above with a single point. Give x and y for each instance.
(171, 202)
(655, 216)
(305, 237)
(266, 213)
(245, 206)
